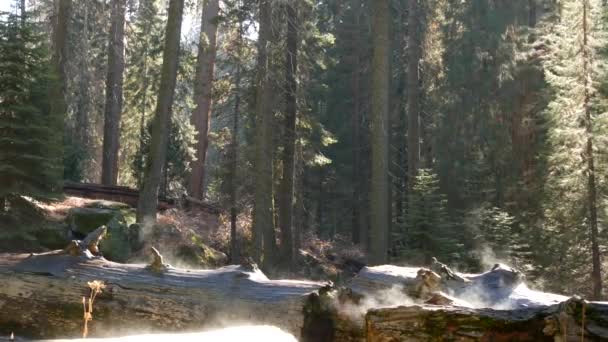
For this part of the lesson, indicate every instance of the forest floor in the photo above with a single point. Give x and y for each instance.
(188, 237)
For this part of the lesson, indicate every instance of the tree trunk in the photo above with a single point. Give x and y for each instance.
(356, 130)
(234, 245)
(263, 221)
(82, 124)
(148, 197)
(114, 80)
(58, 107)
(380, 128)
(532, 13)
(52, 286)
(201, 116)
(413, 125)
(596, 274)
(286, 205)
(22, 9)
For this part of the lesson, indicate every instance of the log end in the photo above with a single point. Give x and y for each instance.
(157, 265)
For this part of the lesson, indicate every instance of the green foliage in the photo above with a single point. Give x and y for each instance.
(575, 72)
(429, 230)
(141, 81)
(26, 137)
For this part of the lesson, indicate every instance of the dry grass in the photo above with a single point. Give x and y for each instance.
(58, 210)
(95, 287)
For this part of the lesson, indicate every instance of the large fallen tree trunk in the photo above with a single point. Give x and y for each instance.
(574, 320)
(41, 296)
(418, 304)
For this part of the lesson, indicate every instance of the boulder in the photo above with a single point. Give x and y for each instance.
(118, 245)
(199, 255)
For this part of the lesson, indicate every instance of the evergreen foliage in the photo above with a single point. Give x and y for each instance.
(429, 231)
(27, 165)
(575, 72)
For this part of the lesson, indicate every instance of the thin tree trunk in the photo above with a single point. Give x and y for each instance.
(413, 134)
(356, 130)
(299, 205)
(23, 12)
(201, 116)
(596, 275)
(83, 104)
(380, 127)
(234, 250)
(148, 196)
(287, 182)
(263, 222)
(114, 81)
(532, 13)
(142, 120)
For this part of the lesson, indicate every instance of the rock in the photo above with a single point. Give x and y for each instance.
(199, 255)
(83, 221)
(117, 245)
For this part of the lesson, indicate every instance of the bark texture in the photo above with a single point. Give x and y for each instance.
(114, 81)
(286, 206)
(574, 320)
(201, 117)
(263, 212)
(148, 196)
(41, 295)
(379, 131)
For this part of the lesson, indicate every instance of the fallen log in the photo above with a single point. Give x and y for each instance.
(572, 321)
(438, 304)
(114, 193)
(500, 288)
(41, 296)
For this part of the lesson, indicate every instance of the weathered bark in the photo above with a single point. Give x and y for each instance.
(287, 197)
(596, 273)
(574, 320)
(501, 287)
(263, 220)
(148, 196)
(413, 304)
(413, 126)
(114, 81)
(380, 127)
(201, 117)
(41, 295)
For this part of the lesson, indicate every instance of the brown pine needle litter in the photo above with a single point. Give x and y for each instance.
(95, 286)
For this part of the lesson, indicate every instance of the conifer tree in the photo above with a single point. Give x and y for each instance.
(28, 141)
(142, 78)
(574, 70)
